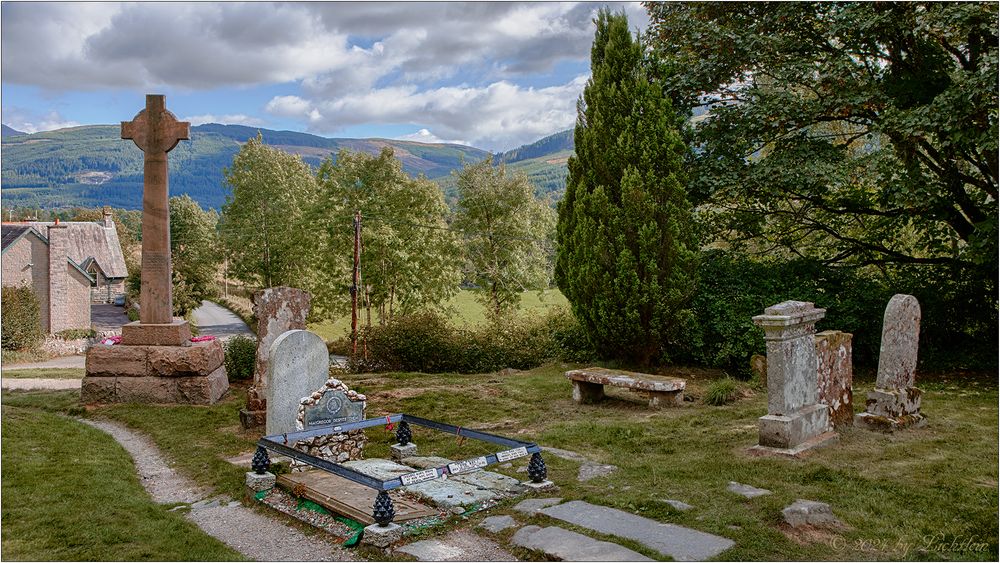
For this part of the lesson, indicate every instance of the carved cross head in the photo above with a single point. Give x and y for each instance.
(154, 129)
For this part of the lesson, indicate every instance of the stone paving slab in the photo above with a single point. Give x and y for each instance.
(460, 545)
(531, 506)
(683, 544)
(497, 524)
(571, 546)
(747, 491)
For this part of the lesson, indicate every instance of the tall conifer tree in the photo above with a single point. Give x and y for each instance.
(627, 258)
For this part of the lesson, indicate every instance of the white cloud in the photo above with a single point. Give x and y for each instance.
(30, 123)
(425, 136)
(228, 119)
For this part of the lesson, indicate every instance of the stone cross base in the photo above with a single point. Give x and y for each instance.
(790, 431)
(888, 410)
(176, 333)
(191, 374)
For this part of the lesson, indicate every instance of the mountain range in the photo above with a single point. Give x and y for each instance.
(91, 165)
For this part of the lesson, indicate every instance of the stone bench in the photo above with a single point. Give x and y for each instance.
(588, 385)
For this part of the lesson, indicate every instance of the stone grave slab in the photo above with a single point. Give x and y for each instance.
(678, 542)
(348, 498)
(456, 490)
(570, 546)
(497, 524)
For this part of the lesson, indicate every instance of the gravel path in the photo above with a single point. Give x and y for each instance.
(30, 383)
(255, 535)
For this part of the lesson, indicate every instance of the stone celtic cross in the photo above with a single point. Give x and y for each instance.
(156, 132)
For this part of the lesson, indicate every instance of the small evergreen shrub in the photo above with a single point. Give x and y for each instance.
(21, 320)
(722, 392)
(241, 355)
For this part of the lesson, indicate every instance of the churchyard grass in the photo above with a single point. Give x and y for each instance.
(46, 373)
(70, 492)
(928, 493)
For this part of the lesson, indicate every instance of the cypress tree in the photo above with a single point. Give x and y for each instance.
(627, 259)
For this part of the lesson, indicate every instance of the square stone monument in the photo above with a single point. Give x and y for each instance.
(156, 361)
(895, 402)
(796, 421)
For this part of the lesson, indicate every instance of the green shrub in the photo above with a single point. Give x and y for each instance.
(958, 329)
(21, 321)
(722, 392)
(132, 314)
(426, 342)
(241, 355)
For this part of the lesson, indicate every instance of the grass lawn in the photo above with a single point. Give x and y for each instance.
(922, 494)
(47, 373)
(70, 492)
(463, 310)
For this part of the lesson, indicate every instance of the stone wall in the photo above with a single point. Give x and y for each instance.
(337, 448)
(26, 263)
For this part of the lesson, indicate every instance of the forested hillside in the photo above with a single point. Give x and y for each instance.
(91, 165)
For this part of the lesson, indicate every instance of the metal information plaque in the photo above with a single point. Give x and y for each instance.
(467, 465)
(512, 454)
(419, 477)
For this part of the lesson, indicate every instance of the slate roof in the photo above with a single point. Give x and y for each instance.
(90, 240)
(10, 233)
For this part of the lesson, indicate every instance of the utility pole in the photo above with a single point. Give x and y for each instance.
(357, 283)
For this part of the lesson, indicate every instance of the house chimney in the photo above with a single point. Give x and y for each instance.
(58, 278)
(108, 222)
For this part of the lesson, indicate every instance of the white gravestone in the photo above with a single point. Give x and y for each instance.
(298, 364)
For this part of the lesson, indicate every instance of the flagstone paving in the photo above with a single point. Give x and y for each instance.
(683, 544)
(570, 546)
(460, 545)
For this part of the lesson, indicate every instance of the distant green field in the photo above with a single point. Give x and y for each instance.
(463, 310)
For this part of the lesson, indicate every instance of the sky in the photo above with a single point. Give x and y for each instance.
(494, 75)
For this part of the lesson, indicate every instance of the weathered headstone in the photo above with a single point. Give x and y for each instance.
(278, 310)
(836, 375)
(298, 364)
(333, 403)
(796, 421)
(895, 402)
(156, 362)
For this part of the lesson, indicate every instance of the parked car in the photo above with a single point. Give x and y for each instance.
(119, 300)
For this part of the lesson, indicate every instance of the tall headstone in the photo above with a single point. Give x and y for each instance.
(278, 310)
(156, 132)
(836, 375)
(156, 362)
(298, 364)
(795, 420)
(895, 402)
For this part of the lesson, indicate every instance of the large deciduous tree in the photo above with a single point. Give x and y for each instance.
(852, 132)
(261, 226)
(194, 252)
(410, 259)
(627, 257)
(508, 234)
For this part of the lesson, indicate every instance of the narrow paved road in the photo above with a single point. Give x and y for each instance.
(215, 320)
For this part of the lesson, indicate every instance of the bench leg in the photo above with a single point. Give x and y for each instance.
(584, 392)
(659, 399)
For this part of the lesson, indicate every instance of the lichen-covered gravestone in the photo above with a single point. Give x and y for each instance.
(895, 402)
(333, 403)
(796, 421)
(836, 375)
(298, 364)
(278, 310)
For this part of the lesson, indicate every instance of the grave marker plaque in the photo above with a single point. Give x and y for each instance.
(333, 408)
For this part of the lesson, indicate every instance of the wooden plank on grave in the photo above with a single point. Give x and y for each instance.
(345, 497)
